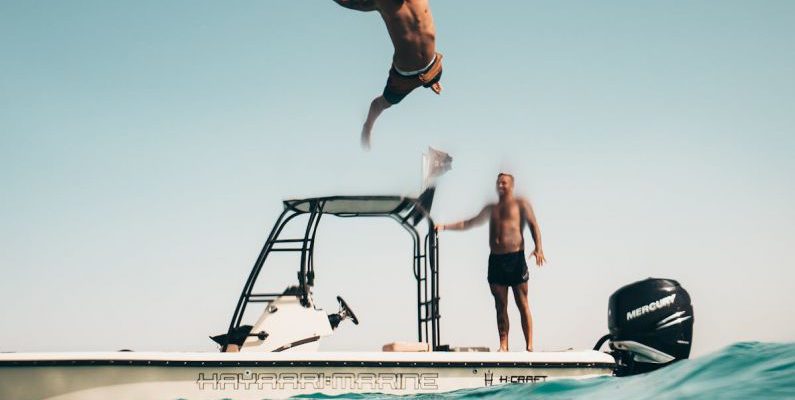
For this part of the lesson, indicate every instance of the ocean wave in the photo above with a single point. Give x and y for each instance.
(747, 370)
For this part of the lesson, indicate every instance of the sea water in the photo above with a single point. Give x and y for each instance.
(749, 370)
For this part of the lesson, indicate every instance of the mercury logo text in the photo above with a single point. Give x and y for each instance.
(653, 306)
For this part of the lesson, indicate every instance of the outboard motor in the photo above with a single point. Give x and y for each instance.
(651, 325)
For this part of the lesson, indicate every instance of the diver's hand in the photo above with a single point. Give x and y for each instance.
(359, 5)
(539, 255)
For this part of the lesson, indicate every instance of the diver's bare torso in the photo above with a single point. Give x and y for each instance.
(506, 222)
(411, 28)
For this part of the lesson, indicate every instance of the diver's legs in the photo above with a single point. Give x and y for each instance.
(378, 105)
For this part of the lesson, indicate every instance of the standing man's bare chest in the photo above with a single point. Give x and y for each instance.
(506, 214)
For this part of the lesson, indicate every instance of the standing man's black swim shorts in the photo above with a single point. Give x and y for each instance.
(508, 269)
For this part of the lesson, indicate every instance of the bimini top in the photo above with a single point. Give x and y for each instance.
(407, 211)
(354, 206)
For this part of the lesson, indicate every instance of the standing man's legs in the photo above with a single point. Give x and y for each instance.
(500, 294)
(520, 296)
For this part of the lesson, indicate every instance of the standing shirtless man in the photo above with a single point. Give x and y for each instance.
(415, 62)
(507, 265)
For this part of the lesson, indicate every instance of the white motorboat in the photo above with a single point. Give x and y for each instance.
(276, 353)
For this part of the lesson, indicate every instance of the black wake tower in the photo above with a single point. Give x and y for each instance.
(407, 211)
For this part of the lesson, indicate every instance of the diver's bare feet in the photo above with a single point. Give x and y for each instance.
(437, 88)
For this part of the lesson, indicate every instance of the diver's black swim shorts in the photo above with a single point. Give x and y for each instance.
(508, 269)
(399, 86)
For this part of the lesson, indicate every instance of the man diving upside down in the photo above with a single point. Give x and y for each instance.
(507, 266)
(415, 62)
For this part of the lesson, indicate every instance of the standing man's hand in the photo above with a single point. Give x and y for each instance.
(438, 227)
(539, 255)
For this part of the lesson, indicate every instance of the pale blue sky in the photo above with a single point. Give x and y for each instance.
(145, 147)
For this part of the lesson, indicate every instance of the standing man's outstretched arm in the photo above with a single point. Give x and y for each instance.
(479, 219)
(358, 5)
(535, 231)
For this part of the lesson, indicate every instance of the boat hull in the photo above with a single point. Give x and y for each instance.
(235, 377)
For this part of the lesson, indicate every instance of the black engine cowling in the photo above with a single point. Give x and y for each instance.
(651, 325)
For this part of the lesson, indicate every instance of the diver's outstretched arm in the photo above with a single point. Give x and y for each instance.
(358, 5)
